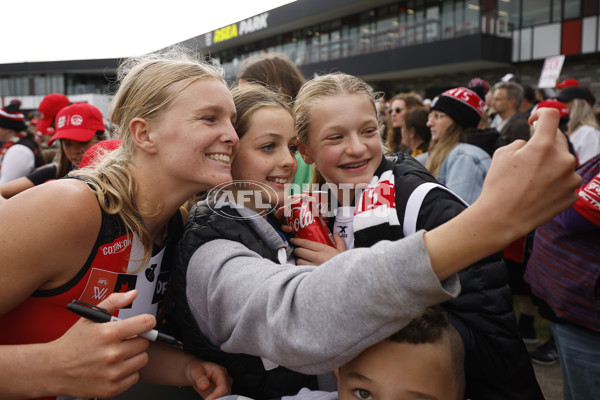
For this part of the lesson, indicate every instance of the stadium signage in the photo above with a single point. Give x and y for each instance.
(249, 25)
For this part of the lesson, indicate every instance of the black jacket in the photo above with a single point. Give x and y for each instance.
(497, 365)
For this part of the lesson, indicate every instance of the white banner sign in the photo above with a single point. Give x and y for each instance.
(551, 71)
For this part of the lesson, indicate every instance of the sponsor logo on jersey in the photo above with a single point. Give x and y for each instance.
(101, 283)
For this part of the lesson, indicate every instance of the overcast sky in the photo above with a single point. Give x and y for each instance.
(51, 30)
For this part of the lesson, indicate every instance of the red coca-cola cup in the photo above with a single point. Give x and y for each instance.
(306, 223)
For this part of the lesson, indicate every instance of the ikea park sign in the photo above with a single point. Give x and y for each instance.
(241, 28)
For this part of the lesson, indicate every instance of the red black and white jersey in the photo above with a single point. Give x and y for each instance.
(113, 266)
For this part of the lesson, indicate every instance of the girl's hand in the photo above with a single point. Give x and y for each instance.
(210, 380)
(308, 252)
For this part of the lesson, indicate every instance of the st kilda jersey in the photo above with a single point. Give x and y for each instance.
(113, 266)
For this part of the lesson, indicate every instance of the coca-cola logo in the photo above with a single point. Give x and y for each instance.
(304, 216)
(229, 198)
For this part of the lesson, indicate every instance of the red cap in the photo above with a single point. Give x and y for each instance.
(90, 155)
(79, 121)
(553, 103)
(567, 83)
(49, 107)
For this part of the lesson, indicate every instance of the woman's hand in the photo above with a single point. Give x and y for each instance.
(102, 360)
(308, 252)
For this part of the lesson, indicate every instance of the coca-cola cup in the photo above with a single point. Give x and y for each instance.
(306, 223)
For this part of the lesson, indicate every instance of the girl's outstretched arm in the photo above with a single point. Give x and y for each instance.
(528, 183)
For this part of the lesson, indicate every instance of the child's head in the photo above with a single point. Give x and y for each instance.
(424, 360)
(338, 129)
(274, 70)
(267, 148)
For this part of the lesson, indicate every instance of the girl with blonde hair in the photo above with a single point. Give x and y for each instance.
(376, 199)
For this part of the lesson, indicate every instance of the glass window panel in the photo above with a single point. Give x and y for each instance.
(448, 19)
(335, 39)
(472, 16)
(459, 18)
(324, 46)
(572, 9)
(22, 86)
(408, 32)
(419, 23)
(349, 43)
(335, 44)
(432, 26)
(536, 12)
(301, 49)
(40, 85)
(313, 46)
(556, 10)
(509, 13)
(386, 27)
(366, 31)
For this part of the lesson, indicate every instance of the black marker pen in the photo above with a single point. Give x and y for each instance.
(98, 314)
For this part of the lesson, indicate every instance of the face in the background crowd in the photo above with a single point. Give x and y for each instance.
(267, 151)
(489, 101)
(569, 104)
(439, 123)
(344, 140)
(501, 103)
(6, 134)
(382, 108)
(391, 371)
(194, 137)
(74, 149)
(398, 113)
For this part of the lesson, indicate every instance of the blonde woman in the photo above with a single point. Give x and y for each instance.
(112, 229)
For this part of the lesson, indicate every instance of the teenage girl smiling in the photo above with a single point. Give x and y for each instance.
(337, 130)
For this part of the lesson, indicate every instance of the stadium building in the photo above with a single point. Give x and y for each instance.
(422, 45)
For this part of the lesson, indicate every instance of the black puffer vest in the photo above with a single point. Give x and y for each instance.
(249, 376)
(497, 365)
